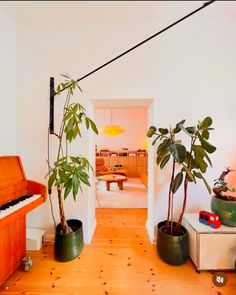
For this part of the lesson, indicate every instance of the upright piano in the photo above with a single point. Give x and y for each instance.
(18, 196)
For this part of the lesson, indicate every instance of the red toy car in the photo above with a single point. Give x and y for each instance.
(209, 218)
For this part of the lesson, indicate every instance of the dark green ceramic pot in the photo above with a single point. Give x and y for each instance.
(69, 246)
(225, 209)
(173, 250)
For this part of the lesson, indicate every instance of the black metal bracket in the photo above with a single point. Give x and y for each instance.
(51, 106)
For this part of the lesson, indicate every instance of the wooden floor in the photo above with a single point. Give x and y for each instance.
(119, 261)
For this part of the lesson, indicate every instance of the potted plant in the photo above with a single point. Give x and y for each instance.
(223, 204)
(69, 172)
(189, 163)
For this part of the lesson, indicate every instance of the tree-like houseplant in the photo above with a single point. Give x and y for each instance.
(223, 204)
(69, 172)
(189, 163)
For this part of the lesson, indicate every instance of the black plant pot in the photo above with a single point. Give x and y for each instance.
(173, 250)
(69, 246)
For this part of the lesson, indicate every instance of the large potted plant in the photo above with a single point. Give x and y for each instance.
(223, 204)
(69, 172)
(189, 161)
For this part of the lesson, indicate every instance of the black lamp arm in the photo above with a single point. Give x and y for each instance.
(53, 93)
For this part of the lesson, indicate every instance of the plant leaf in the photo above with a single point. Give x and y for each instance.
(75, 184)
(163, 131)
(178, 152)
(206, 184)
(177, 127)
(93, 125)
(205, 123)
(87, 122)
(187, 170)
(162, 148)
(151, 131)
(52, 179)
(62, 175)
(177, 182)
(191, 129)
(155, 140)
(68, 188)
(205, 134)
(184, 129)
(207, 146)
(164, 161)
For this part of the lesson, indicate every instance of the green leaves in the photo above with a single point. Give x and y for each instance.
(207, 146)
(192, 154)
(207, 122)
(177, 128)
(151, 131)
(163, 147)
(177, 182)
(178, 152)
(52, 179)
(74, 115)
(69, 173)
(163, 131)
(164, 161)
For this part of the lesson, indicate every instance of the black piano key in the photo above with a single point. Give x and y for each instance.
(14, 202)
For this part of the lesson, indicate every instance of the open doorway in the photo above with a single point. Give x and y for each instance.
(125, 103)
(121, 159)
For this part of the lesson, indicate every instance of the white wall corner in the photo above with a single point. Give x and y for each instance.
(90, 231)
(151, 231)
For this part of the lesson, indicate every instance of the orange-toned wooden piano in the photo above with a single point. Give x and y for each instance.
(18, 196)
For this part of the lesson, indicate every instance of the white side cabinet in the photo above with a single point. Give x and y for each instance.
(210, 248)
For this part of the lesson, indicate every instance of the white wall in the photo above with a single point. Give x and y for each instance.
(189, 71)
(134, 123)
(7, 84)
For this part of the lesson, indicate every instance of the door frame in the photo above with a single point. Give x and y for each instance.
(123, 103)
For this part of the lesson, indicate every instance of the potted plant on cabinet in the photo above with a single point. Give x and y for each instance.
(222, 204)
(189, 163)
(69, 173)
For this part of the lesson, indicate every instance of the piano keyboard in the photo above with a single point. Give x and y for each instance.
(16, 204)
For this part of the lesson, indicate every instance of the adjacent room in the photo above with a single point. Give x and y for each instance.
(121, 158)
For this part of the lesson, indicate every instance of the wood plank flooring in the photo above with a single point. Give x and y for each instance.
(119, 261)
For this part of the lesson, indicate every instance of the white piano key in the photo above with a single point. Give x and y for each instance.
(21, 204)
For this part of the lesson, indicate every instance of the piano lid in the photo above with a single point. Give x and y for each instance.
(11, 170)
(13, 183)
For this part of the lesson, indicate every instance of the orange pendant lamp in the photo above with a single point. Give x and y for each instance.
(111, 130)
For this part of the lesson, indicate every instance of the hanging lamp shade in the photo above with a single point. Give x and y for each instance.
(111, 130)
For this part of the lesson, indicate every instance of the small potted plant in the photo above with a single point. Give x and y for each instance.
(223, 204)
(69, 172)
(189, 163)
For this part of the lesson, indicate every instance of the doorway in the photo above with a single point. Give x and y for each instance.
(129, 104)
